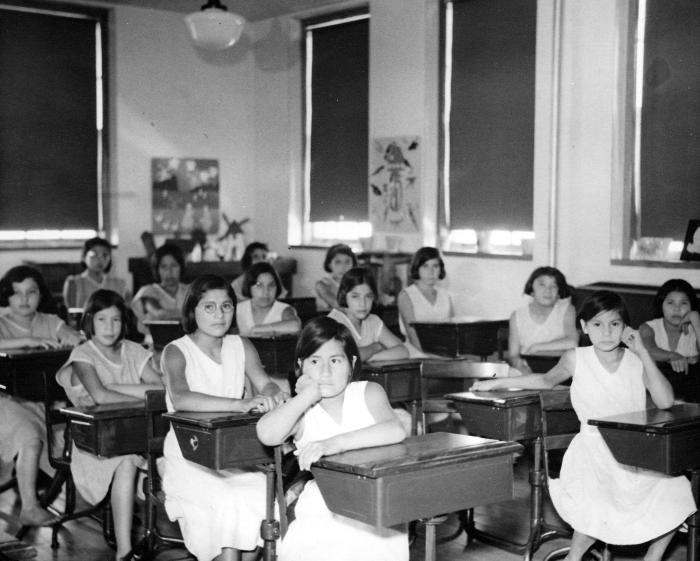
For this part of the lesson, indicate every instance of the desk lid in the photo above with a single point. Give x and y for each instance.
(390, 365)
(679, 417)
(106, 411)
(432, 449)
(497, 398)
(281, 337)
(27, 354)
(464, 320)
(212, 419)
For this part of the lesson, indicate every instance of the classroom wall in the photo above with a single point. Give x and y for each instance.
(242, 107)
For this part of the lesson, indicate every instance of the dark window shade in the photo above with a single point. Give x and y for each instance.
(339, 122)
(670, 135)
(492, 115)
(48, 136)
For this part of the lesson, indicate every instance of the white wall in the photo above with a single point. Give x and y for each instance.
(243, 107)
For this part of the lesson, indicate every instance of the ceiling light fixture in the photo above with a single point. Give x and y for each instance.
(214, 28)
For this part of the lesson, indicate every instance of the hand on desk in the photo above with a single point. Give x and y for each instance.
(265, 403)
(313, 451)
(37, 343)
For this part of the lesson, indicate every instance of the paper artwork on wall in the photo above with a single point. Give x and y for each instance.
(691, 244)
(185, 195)
(394, 198)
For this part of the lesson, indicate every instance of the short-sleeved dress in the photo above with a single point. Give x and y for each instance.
(424, 310)
(244, 315)
(93, 474)
(170, 305)
(20, 420)
(317, 534)
(531, 332)
(215, 509)
(370, 328)
(595, 494)
(84, 285)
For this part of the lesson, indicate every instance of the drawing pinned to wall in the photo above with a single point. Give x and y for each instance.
(185, 195)
(394, 201)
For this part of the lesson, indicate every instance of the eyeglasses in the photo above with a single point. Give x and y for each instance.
(211, 307)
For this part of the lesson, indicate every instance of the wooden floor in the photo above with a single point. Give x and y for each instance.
(82, 540)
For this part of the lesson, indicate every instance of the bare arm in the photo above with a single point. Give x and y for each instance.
(407, 317)
(393, 348)
(28, 343)
(150, 379)
(262, 384)
(69, 336)
(100, 393)
(289, 324)
(69, 293)
(563, 370)
(325, 293)
(656, 383)
(514, 358)
(568, 341)
(678, 362)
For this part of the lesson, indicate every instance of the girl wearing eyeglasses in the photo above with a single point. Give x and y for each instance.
(263, 315)
(219, 512)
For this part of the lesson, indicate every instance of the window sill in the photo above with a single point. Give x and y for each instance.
(479, 255)
(656, 264)
(22, 245)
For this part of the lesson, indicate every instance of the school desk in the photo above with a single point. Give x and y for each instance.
(541, 363)
(401, 381)
(665, 440)
(461, 336)
(219, 440)
(111, 429)
(510, 415)
(23, 371)
(421, 477)
(12, 549)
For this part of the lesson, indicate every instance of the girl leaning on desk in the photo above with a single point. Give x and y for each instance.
(28, 323)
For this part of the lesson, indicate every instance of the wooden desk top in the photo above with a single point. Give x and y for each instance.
(392, 365)
(28, 354)
(497, 398)
(213, 419)
(655, 421)
(105, 411)
(432, 448)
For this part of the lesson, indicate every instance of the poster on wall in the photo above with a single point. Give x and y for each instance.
(691, 244)
(394, 198)
(185, 195)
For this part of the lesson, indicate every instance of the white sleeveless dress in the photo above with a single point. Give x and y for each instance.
(595, 494)
(215, 509)
(423, 310)
(531, 332)
(687, 343)
(244, 315)
(319, 535)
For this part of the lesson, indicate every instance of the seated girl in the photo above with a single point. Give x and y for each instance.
(108, 369)
(547, 323)
(219, 512)
(97, 261)
(162, 299)
(356, 295)
(330, 414)
(339, 260)
(424, 300)
(262, 315)
(673, 335)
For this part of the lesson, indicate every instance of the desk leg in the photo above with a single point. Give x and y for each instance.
(414, 417)
(693, 552)
(270, 528)
(430, 541)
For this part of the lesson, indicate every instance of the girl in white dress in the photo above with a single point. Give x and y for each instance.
(164, 298)
(328, 415)
(673, 335)
(219, 512)
(262, 315)
(28, 323)
(547, 323)
(108, 368)
(339, 260)
(599, 497)
(424, 300)
(97, 260)
(357, 293)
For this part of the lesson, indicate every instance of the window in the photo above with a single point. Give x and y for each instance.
(336, 114)
(488, 123)
(658, 160)
(51, 124)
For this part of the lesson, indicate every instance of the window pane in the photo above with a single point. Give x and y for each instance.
(339, 61)
(48, 133)
(491, 121)
(670, 120)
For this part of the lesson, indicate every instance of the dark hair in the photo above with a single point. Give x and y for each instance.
(94, 242)
(674, 285)
(250, 277)
(168, 249)
(247, 259)
(338, 249)
(18, 274)
(320, 330)
(603, 301)
(355, 277)
(558, 276)
(423, 255)
(195, 291)
(101, 300)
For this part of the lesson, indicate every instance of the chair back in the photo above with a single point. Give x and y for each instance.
(559, 425)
